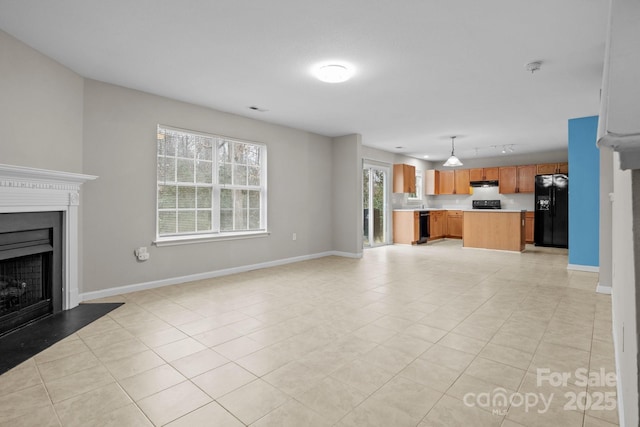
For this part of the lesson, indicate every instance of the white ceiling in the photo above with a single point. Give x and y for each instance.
(425, 69)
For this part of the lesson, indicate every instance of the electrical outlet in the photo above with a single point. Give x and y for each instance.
(141, 253)
(294, 237)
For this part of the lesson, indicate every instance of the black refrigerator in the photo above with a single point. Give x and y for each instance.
(552, 211)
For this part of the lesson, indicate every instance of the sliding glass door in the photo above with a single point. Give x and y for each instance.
(375, 193)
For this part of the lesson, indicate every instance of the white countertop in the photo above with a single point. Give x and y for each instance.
(495, 210)
(460, 209)
(419, 209)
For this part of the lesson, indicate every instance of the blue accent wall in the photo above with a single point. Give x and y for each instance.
(584, 192)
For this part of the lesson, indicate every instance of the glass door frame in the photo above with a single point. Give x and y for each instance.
(386, 169)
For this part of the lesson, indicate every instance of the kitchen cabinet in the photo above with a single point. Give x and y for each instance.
(447, 182)
(526, 179)
(404, 178)
(517, 179)
(406, 227)
(550, 168)
(508, 181)
(431, 182)
(484, 174)
(454, 182)
(529, 227)
(494, 230)
(461, 177)
(476, 174)
(454, 224)
(437, 224)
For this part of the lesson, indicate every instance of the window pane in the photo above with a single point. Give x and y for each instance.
(224, 174)
(240, 219)
(166, 169)
(226, 220)
(254, 175)
(254, 219)
(204, 149)
(166, 197)
(203, 171)
(185, 170)
(170, 144)
(204, 220)
(204, 197)
(186, 197)
(186, 221)
(224, 153)
(253, 155)
(242, 199)
(254, 199)
(226, 199)
(239, 175)
(239, 153)
(187, 146)
(166, 222)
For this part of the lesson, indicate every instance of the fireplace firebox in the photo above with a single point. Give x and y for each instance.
(30, 267)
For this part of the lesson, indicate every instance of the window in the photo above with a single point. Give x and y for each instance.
(418, 194)
(209, 186)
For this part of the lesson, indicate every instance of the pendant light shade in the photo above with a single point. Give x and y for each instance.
(452, 161)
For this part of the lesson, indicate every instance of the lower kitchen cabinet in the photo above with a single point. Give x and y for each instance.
(406, 227)
(437, 224)
(454, 224)
(529, 219)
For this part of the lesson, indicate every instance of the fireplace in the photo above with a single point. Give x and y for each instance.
(30, 267)
(39, 218)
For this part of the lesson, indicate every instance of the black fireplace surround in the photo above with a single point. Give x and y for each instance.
(30, 267)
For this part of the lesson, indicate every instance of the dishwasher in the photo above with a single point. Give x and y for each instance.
(424, 227)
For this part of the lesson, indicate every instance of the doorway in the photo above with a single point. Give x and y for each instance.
(375, 194)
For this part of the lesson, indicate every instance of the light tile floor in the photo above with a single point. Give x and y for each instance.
(403, 337)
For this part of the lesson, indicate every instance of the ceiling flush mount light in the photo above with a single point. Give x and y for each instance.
(532, 67)
(334, 73)
(452, 161)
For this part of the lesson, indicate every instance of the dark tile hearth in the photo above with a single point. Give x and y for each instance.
(19, 345)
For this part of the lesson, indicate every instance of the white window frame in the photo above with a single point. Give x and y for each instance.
(215, 234)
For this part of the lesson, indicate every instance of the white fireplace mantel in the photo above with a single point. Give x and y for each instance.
(24, 189)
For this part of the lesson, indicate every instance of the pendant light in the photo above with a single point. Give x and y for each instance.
(452, 161)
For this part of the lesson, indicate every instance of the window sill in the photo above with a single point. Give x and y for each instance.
(204, 238)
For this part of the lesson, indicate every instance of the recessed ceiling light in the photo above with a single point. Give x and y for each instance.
(426, 156)
(334, 73)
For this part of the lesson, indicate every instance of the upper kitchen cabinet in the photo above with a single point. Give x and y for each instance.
(404, 178)
(508, 179)
(491, 174)
(454, 182)
(447, 184)
(550, 168)
(484, 174)
(431, 182)
(462, 181)
(517, 179)
(526, 179)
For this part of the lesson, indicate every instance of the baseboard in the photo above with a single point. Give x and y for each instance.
(587, 268)
(86, 296)
(603, 289)
(346, 254)
(621, 419)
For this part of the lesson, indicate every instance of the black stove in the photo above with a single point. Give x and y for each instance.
(486, 204)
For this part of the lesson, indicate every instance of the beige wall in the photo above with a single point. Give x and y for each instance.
(119, 207)
(40, 110)
(346, 172)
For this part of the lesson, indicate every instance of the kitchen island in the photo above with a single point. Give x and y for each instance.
(494, 229)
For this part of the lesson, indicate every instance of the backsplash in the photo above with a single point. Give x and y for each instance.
(463, 201)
